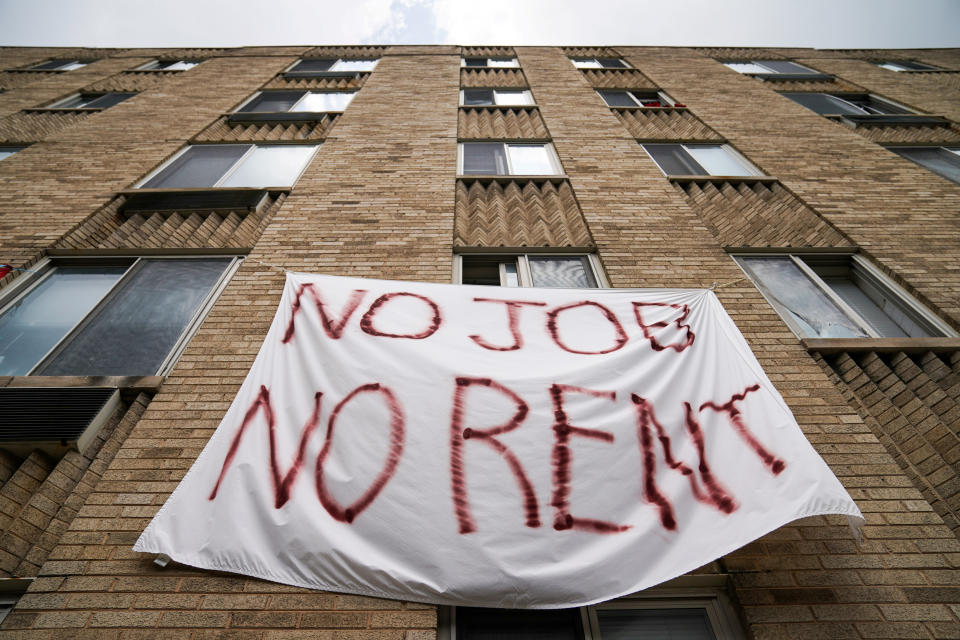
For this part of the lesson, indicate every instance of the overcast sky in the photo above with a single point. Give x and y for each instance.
(220, 23)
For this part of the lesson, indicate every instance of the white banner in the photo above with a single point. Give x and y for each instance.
(522, 448)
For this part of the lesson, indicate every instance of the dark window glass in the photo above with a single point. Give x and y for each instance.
(782, 66)
(674, 160)
(199, 166)
(936, 159)
(507, 624)
(484, 158)
(874, 106)
(135, 329)
(672, 624)
(618, 99)
(272, 101)
(475, 62)
(53, 64)
(314, 65)
(486, 270)
(611, 63)
(478, 97)
(107, 100)
(823, 103)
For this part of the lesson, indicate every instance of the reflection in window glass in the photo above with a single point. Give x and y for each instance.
(135, 331)
(484, 158)
(530, 160)
(354, 64)
(718, 161)
(508, 98)
(6, 152)
(332, 101)
(270, 166)
(746, 67)
(199, 166)
(506, 63)
(42, 317)
(673, 160)
(792, 292)
(940, 160)
(567, 273)
(272, 102)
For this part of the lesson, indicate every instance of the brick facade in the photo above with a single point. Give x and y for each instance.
(382, 199)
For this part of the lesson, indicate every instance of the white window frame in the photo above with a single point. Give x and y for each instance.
(527, 92)
(233, 167)
(512, 62)
(551, 156)
(524, 275)
(869, 272)
(662, 95)
(22, 287)
(759, 63)
(584, 62)
(753, 168)
(305, 92)
(154, 65)
(333, 67)
(893, 65)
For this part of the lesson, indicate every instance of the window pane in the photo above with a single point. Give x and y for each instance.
(869, 311)
(718, 161)
(50, 64)
(824, 103)
(270, 166)
(70, 66)
(530, 160)
(484, 158)
(6, 152)
(507, 624)
(477, 97)
(673, 160)
(567, 273)
(42, 317)
(503, 62)
(794, 295)
(618, 99)
(136, 329)
(746, 67)
(178, 65)
(75, 102)
(485, 270)
(474, 62)
(333, 101)
(612, 63)
(782, 66)
(940, 161)
(354, 64)
(586, 63)
(272, 101)
(513, 97)
(200, 166)
(317, 65)
(675, 624)
(108, 100)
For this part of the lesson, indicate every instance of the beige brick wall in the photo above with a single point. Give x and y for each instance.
(379, 201)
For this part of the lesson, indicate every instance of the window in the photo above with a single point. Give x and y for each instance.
(599, 63)
(833, 104)
(505, 159)
(499, 97)
(944, 161)
(503, 62)
(117, 316)
(529, 270)
(169, 65)
(700, 618)
(621, 98)
(831, 296)
(58, 65)
(769, 66)
(297, 101)
(232, 165)
(91, 101)
(907, 65)
(700, 160)
(6, 152)
(319, 66)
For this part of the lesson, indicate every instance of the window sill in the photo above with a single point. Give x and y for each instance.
(665, 109)
(884, 120)
(499, 107)
(282, 116)
(323, 74)
(64, 110)
(699, 178)
(196, 198)
(791, 76)
(512, 178)
(134, 384)
(831, 346)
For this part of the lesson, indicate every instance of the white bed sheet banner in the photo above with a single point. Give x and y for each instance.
(522, 448)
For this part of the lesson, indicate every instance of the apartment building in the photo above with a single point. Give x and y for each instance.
(151, 200)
